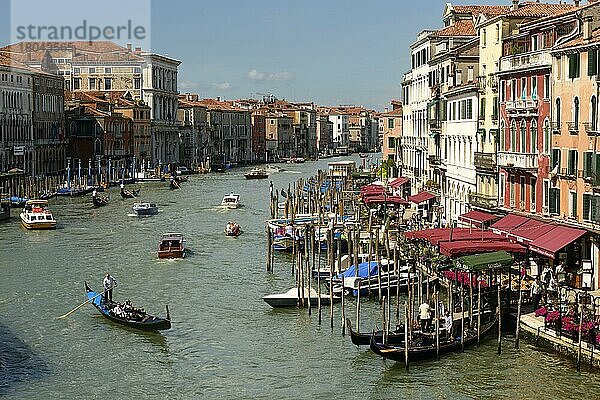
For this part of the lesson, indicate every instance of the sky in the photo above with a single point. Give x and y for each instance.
(331, 52)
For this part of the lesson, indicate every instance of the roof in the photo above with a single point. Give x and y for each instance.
(477, 217)
(484, 261)
(82, 51)
(382, 199)
(438, 235)
(459, 28)
(530, 230)
(396, 183)
(508, 223)
(453, 249)
(9, 60)
(540, 10)
(579, 41)
(421, 197)
(551, 242)
(394, 113)
(489, 11)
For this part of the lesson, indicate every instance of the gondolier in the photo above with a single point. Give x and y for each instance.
(109, 283)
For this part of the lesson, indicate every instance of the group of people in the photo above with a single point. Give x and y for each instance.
(425, 318)
(126, 310)
(232, 229)
(546, 285)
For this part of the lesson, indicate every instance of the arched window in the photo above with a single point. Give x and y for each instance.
(513, 135)
(501, 136)
(558, 112)
(547, 136)
(594, 112)
(523, 137)
(576, 111)
(534, 133)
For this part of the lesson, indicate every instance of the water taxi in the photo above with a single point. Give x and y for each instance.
(257, 173)
(37, 215)
(171, 245)
(231, 200)
(145, 209)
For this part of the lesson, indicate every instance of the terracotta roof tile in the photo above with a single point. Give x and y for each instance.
(490, 11)
(540, 10)
(394, 113)
(459, 28)
(578, 41)
(82, 51)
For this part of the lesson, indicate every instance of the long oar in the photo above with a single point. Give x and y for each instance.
(81, 305)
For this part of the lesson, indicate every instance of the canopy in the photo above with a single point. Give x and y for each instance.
(381, 199)
(477, 217)
(437, 235)
(363, 270)
(530, 230)
(479, 262)
(396, 183)
(453, 249)
(508, 223)
(554, 240)
(421, 197)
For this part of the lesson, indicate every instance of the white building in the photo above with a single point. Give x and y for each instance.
(341, 130)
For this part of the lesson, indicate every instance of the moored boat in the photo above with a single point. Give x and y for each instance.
(126, 314)
(257, 173)
(291, 298)
(145, 208)
(4, 209)
(363, 339)
(37, 215)
(231, 200)
(171, 245)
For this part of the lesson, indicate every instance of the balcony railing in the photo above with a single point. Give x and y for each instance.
(573, 128)
(486, 161)
(434, 160)
(556, 128)
(591, 129)
(522, 107)
(483, 200)
(526, 161)
(528, 60)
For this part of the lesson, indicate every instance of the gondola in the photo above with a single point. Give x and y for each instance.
(424, 345)
(173, 184)
(100, 201)
(129, 194)
(145, 322)
(363, 339)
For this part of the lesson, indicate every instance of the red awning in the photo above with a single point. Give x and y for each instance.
(477, 217)
(396, 183)
(530, 230)
(380, 199)
(508, 223)
(435, 236)
(421, 197)
(453, 249)
(554, 240)
(372, 188)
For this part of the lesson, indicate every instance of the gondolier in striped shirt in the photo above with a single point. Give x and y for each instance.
(109, 283)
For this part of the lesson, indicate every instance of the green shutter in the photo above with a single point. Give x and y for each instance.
(587, 164)
(552, 203)
(592, 62)
(557, 199)
(596, 170)
(574, 204)
(595, 205)
(571, 66)
(586, 206)
(577, 65)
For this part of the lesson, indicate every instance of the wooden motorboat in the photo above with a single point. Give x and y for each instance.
(171, 245)
(145, 209)
(363, 339)
(99, 201)
(290, 298)
(127, 315)
(423, 346)
(37, 215)
(233, 229)
(129, 194)
(231, 200)
(257, 173)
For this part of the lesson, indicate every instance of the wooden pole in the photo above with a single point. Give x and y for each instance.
(309, 235)
(343, 307)
(462, 319)
(580, 336)
(437, 325)
(406, 336)
(269, 248)
(330, 251)
(518, 329)
(378, 264)
(499, 318)
(319, 272)
(470, 299)
(397, 285)
(478, 311)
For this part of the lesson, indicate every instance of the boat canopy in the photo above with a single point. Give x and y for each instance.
(364, 270)
(479, 262)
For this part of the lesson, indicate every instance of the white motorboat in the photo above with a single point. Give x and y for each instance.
(231, 200)
(257, 173)
(291, 298)
(145, 208)
(273, 169)
(37, 215)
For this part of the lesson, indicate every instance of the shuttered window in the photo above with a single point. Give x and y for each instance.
(574, 204)
(554, 205)
(587, 206)
(572, 166)
(592, 62)
(588, 158)
(574, 66)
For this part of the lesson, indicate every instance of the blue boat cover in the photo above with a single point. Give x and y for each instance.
(363, 270)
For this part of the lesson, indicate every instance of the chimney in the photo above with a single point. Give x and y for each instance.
(138, 49)
(129, 47)
(218, 98)
(386, 109)
(515, 5)
(577, 3)
(587, 28)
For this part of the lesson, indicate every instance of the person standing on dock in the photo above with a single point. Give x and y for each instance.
(424, 316)
(109, 283)
(536, 293)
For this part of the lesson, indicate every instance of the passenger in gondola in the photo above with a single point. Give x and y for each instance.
(424, 316)
(109, 283)
(448, 324)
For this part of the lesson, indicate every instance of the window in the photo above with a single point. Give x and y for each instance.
(546, 190)
(503, 91)
(92, 70)
(107, 83)
(76, 83)
(523, 88)
(513, 89)
(534, 133)
(532, 182)
(572, 164)
(594, 112)
(501, 189)
(76, 71)
(534, 87)
(592, 62)
(555, 158)
(391, 142)
(92, 82)
(513, 135)
(576, 111)
(391, 123)
(554, 201)
(469, 109)
(558, 111)
(523, 137)
(137, 70)
(501, 135)
(534, 43)
(495, 109)
(546, 86)
(512, 191)
(137, 83)
(522, 190)
(483, 38)
(573, 204)
(497, 33)
(591, 207)
(108, 70)
(574, 66)
(588, 160)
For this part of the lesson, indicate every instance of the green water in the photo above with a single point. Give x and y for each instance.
(225, 341)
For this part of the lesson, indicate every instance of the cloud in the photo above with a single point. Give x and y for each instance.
(221, 86)
(257, 75)
(188, 85)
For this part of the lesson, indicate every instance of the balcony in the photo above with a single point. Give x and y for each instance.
(524, 161)
(556, 128)
(591, 129)
(483, 200)
(573, 128)
(485, 161)
(522, 108)
(525, 61)
(434, 160)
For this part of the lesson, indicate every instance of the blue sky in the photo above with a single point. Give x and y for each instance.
(329, 51)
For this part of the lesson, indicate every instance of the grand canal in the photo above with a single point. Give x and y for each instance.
(225, 341)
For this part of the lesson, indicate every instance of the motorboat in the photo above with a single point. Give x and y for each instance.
(231, 200)
(145, 208)
(273, 169)
(292, 298)
(4, 209)
(233, 229)
(257, 173)
(37, 215)
(171, 245)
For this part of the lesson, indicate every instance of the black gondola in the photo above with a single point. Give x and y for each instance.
(100, 201)
(424, 345)
(138, 320)
(173, 184)
(129, 194)
(363, 339)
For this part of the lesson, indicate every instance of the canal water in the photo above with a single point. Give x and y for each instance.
(225, 341)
